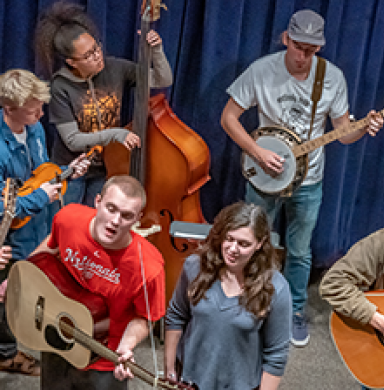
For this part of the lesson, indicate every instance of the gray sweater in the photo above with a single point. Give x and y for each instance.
(224, 346)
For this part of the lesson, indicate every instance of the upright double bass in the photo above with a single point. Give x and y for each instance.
(172, 164)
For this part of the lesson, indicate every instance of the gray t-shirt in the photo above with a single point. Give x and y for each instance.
(282, 100)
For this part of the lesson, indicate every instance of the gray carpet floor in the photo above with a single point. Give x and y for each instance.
(317, 366)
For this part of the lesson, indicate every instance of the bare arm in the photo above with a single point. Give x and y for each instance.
(375, 124)
(172, 338)
(43, 247)
(269, 161)
(269, 382)
(135, 332)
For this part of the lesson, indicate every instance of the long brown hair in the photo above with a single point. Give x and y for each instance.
(258, 288)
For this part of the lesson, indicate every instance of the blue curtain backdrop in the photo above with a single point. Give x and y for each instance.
(209, 43)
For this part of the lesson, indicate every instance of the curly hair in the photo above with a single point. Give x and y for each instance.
(258, 288)
(56, 30)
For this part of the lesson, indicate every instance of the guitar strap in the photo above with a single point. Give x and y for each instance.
(317, 89)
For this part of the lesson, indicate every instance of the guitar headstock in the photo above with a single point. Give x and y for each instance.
(10, 195)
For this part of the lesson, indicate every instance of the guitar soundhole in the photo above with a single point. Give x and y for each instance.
(61, 336)
(54, 339)
(380, 336)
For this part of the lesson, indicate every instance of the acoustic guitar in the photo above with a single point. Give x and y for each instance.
(361, 347)
(289, 146)
(43, 319)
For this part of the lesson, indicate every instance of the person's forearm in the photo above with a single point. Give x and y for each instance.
(43, 247)
(269, 382)
(76, 141)
(161, 72)
(172, 338)
(135, 332)
(232, 126)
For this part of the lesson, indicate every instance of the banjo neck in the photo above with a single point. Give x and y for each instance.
(308, 146)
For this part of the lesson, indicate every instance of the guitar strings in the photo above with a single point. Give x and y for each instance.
(154, 357)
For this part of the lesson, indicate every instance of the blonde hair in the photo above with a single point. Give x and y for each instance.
(17, 86)
(130, 187)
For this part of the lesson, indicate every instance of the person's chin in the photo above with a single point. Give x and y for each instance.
(101, 66)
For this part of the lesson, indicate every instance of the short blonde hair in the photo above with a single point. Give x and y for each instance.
(17, 86)
(130, 187)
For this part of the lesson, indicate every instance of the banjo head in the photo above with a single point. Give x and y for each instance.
(280, 141)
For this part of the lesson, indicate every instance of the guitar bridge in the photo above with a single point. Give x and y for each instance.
(39, 313)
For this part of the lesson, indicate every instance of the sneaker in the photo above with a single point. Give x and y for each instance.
(300, 335)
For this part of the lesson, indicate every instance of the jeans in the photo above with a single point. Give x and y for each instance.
(84, 190)
(57, 374)
(301, 212)
(8, 344)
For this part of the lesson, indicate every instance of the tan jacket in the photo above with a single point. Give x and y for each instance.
(344, 284)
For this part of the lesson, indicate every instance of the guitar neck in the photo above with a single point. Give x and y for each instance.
(309, 146)
(5, 225)
(9, 206)
(101, 350)
(63, 176)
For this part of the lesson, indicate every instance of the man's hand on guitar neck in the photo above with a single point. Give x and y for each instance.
(375, 123)
(80, 166)
(135, 332)
(377, 321)
(5, 256)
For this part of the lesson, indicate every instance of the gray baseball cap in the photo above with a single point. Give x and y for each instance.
(308, 27)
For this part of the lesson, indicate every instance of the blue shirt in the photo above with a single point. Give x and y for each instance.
(17, 161)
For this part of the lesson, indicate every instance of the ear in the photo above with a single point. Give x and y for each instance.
(285, 38)
(71, 62)
(97, 200)
(260, 243)
(6, 109)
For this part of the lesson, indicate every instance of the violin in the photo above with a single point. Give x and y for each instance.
(48, 172)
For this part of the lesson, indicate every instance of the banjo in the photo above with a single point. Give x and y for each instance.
(289, 146)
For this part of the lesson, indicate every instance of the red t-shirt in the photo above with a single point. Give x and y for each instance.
(114, 274)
